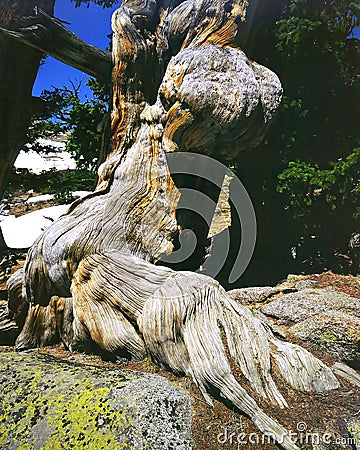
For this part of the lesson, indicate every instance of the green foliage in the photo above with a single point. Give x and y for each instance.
(319, 110)
(86, 122)
(65, 112)
(52, 120)
(295, 33)
(304, 182)
(84, 142)
(63, 183)
(322, 30)
(305, 185)
(60, 183)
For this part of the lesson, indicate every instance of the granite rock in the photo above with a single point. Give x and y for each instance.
(298, 306)
(47, 403)
(337, 335)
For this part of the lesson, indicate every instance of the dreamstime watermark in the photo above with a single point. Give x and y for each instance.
(213, 171)
(302, 436)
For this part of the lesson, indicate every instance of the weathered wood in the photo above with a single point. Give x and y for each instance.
(48, 325)
(347, 373)
(16, 302)
(180, 83)
(13, 313)
(48, 35)
(135, 216)
(179, 318)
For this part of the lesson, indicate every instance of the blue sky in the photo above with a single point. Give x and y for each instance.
(93, 25)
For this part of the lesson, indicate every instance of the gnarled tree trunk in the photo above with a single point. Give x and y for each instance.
(181, 83)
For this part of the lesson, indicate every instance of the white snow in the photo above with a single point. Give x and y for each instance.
(51, 143)
(38, 162)
(21, 232)
(40, 198)
(48, 197)
(80, 194)
(58, 159)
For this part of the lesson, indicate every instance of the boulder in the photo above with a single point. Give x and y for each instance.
(327, 319)
(252, 295)
(305, 284)
(298, 306)
(47, 403)
(338, 335)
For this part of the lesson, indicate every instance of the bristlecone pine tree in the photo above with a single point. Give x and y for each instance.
(180, 83)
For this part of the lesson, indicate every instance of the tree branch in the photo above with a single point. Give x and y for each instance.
(47, 34)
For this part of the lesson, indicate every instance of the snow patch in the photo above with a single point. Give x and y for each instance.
(48, 197)
(40, 198)
(21, 232)
(81, 194)
(39, 162)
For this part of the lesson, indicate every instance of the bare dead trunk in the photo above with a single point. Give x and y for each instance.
(180, 84)
(18, 68)
(37, 29)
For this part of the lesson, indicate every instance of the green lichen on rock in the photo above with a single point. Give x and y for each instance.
(46, 408)
(47, 404)
(328, 336)
(354, 431)
(92, 430)
(337, 335)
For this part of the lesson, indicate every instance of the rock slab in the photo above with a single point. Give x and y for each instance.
(252, 295)
(338, 335)
(328, 319)
(48, 404)
(298, 306)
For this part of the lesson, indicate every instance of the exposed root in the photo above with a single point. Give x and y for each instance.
(179, 318)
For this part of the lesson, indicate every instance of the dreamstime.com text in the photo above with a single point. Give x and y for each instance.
(301, 436)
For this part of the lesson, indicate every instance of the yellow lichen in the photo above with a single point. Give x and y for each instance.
(328, 336)
(71, 410)
(85, 420)
(354, 430)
